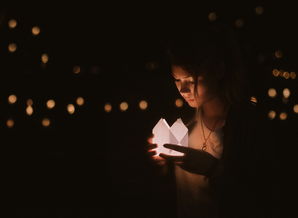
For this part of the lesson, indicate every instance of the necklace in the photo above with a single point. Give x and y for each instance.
(212, 130)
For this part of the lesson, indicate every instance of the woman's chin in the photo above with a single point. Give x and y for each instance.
(192, 104)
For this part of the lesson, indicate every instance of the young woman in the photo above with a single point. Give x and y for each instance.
(227, 167)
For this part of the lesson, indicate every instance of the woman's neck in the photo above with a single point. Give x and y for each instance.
(214, 113)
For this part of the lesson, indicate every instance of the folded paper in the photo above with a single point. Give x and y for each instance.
(164, 134)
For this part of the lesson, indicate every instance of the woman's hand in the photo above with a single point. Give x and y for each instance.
(194, 161)
(151, 151)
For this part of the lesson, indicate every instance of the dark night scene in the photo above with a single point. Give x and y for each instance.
(148, 109)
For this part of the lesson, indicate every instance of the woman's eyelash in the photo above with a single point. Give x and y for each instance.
(178, 80)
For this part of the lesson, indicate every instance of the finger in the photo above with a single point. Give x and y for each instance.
(149, 139)
(171, 158)
(151, 153)
(176, 147)
(151, 146)
(159, 160)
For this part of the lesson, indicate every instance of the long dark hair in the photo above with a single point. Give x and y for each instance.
(214, 53)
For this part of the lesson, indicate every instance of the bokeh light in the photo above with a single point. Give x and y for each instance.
(71, 108)
(76, 69)
(10, 123)
(29, 102)
(179, 102)
(108, 107)
(12, 99)
(286, 92)
(143, 105)
(271, 114)
(12, 23)
(275, 72)
(272, 92)
(253, 99)
(44, 58)
(278, 54)
(293, 75)
(29, 110)
(35, 30)
(295, 108)
(286, 75)
(212, 16)
(80, 101)
(46, 122)
(12, 47)
(283, 116)
(124, 106)
(50, 104)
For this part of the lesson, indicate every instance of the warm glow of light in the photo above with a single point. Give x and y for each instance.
(293, 75)
(295, 108)
(286, 75)
(281, 73)
(259, 10)
(46, 122)
(29, 102)
(239, 23)
(9, 123)
(143, 105)
(212, 16)
(51, 104)
(12, 99)
(80, 101)
(272, 115)
(179, 102)
(286, 92)
(278, 54)
(12, 47)
(44, 58)
(253, 99)
(35, 30)
(108, 107)
(272, 92)
(29, 110)
(275, 72)
(124, 106)
(283, 116)
(76, 69)
(71, 108)
(12, 23)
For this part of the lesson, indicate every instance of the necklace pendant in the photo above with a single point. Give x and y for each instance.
(204, 147)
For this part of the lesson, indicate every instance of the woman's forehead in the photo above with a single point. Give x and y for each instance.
(178, 71)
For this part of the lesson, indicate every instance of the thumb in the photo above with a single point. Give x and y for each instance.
(150, 138)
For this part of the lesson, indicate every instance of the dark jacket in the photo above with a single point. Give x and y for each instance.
(245, 187)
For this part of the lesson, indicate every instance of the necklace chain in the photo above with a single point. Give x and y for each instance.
(204, 147)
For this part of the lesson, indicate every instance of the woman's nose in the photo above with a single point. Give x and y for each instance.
(185, 89)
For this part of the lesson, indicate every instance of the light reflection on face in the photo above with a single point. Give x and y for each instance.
(185, 84)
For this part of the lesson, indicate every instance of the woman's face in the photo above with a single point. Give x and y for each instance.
(185, 84)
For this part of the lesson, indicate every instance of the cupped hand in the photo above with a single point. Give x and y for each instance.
(195, 161)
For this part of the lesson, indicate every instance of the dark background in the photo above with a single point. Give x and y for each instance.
(94, 163)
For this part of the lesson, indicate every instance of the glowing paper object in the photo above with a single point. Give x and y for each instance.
(164, 134)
